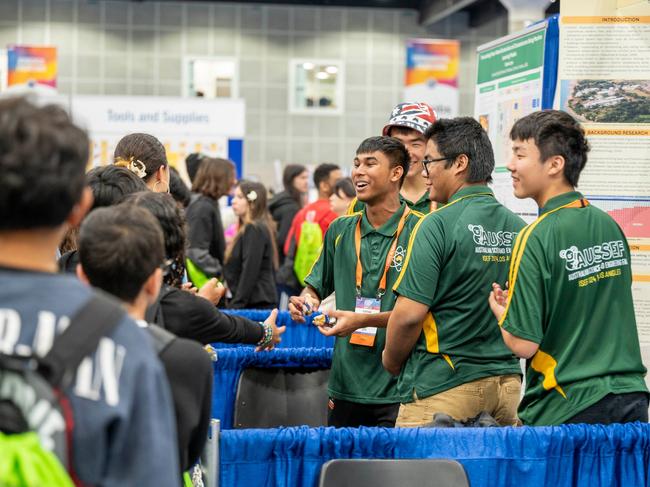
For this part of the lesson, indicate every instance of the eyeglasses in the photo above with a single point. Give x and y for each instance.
(426, 161)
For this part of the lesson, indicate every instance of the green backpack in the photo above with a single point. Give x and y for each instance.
(308, 248)
(24, 462)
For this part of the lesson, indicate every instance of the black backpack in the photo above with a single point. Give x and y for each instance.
(32, 388)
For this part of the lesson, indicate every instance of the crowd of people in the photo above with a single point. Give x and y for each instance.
(434, 289)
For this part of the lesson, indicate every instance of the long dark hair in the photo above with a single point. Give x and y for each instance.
(172, 222)
(291, 172)
(258, 215)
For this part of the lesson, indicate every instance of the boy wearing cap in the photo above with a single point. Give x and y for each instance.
(441, 336)
(569, 309)
(407, 123)
(361, 257)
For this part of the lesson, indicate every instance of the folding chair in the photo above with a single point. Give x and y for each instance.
(393, 473)
(271, 397)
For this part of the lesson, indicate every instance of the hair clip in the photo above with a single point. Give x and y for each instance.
(251, 196)
(134, 165)
(138, 168)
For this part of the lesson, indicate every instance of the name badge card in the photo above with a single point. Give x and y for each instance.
(366, 336)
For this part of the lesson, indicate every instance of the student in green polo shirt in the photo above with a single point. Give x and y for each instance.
(407, 123)
(441, 335)
(569, 309)
(360, 260)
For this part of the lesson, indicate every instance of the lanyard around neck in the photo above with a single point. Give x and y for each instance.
(579, 203)
(389, 258)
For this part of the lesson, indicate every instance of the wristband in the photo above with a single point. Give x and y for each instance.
(267, 336)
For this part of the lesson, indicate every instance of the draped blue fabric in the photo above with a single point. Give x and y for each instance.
(551, 54)
(230, 363)
(295, 336)
(560, 456)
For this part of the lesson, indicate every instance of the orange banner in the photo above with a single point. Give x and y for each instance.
(630, 19)
(623, 132)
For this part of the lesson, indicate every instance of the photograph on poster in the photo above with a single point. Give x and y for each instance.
(607, 101)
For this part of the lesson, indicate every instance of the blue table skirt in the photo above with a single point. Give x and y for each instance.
(563, 456)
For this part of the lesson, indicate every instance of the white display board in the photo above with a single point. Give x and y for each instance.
(183, 125)
(604, 81)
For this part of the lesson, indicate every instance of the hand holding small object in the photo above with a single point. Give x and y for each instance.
(324, 320)
(212, 290)
(301, 306)
(338, 323)
(189, 287)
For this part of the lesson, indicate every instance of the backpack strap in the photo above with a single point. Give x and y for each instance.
(96, 319)
(68, 262)
(161, 338)
(154, 313)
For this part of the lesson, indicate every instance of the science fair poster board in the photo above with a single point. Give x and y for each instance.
(604, 81)
(432, 74)
(516, 76)
(184, 125)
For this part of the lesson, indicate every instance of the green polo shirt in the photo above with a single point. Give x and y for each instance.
(454, 256)
(570, 292)
(357, 373)
(423, 205)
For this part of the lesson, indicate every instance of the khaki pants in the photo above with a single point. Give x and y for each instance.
(498, 395)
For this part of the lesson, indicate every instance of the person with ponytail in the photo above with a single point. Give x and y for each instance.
(145, 156)
(252, 259)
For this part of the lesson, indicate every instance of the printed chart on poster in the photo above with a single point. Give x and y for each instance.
(604, 81)
(509, 86)
(212, 127)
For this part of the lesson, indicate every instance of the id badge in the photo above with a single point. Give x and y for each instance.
(366, 336)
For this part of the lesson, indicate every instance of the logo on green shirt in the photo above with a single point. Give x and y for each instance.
(593, 259)
(398, 258)
(491, 242)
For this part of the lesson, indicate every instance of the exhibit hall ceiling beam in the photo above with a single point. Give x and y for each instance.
(436, 10)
